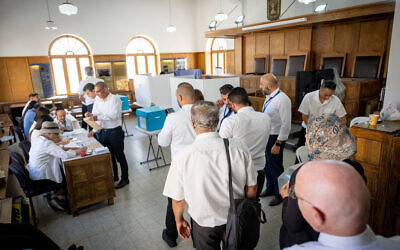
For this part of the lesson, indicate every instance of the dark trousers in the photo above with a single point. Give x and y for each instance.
(273, 165)
(170, 223)
(86, 108)
(113, 139)
(260, 181)
(302, 138)
(208, 237)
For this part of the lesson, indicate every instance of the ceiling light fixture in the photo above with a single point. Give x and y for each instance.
(240, 20)
(68, 9)
(171, 28)
(50, 25)
(221, 16)
(306, 1)
(321, 8)
(213, 25)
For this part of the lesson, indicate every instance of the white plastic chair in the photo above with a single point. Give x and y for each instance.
(302, 154)
(357, 120)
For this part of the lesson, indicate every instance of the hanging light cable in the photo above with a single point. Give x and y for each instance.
(170, 28)
(221, 16)
(50, 25)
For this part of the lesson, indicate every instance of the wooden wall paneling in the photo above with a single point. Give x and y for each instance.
(373, 36)
(347, 37)
(380, 54)
(38, 59)
(5, 88)
(238, 44)
(208, 62)
(305, 37)
(230, 62)
(19, 77)
(322, 42)
(261, 44)
(292, 38)
(389, 39)
(201, 61)
(249, 53)
(119, 57)
(277, 43)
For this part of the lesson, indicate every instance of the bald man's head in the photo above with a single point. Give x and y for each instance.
(333, 197)
(268, 83)
(184, 93)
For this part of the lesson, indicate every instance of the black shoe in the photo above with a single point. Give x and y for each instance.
(170, 243)
(275, 201)
(122, 183)
(266, 193)
(116, 178)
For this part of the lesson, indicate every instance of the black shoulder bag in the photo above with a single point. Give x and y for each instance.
(244, 217)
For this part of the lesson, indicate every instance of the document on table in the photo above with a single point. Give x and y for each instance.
(92, 124)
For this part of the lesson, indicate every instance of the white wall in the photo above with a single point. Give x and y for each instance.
(393, 76)
(106, 25)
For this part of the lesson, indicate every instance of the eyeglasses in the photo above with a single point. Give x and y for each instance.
(294, 196)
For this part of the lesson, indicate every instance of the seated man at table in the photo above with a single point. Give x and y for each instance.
(45, 157)
(32, 97)
(64, 122)
(335, 201)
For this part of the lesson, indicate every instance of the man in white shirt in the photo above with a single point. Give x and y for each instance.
(32, 97)
(278, 107)
(177, 132)
(225, 109)
(250, 127)
(320, 102)
(87, 102)
(64, 122)
(107, 112)
(335, 201)
(199, 176)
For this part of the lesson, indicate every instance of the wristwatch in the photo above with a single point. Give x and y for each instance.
(278, 144)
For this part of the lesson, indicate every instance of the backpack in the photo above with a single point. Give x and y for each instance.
(244, 217)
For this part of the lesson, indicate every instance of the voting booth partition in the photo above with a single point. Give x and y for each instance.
(152, 90)
(209, 87)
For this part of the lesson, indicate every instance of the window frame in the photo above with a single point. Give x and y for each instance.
(217, 52)
(146, 55)
(64, 57)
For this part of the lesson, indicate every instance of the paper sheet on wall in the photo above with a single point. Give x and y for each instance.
(92, 124)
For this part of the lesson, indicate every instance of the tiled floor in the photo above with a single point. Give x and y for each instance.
(136, 219)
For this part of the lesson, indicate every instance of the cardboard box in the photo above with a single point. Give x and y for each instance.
(151, 118)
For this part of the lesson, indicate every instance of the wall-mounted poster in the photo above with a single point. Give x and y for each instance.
(42, 79)
(273, 9)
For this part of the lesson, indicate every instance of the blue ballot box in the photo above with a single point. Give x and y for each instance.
(151, 118)
(124, 102)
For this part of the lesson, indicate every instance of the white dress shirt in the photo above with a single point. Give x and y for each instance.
(24, 109)
(223, 114)
(199, 175)
(252, 128)
(312, 106)
(70, 123)
(45, 159)
(89, 79)
(177, 131)
(108, 111)
(364, 241)
(279, 109)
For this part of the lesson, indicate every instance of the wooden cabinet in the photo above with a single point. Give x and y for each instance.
(89, 180)
(378, 150)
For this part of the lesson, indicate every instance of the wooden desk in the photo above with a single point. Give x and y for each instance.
(89, 179)
(4, 162)
(378, 150)
(7, 123)
(5, 210)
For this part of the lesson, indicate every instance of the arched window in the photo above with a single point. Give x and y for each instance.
(218, 56)
(141, 56)
(69, 56)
